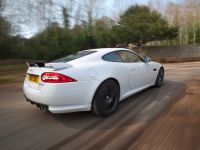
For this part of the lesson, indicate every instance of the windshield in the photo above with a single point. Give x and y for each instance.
(74, 56)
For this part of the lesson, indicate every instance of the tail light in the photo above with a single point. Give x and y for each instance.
(52, 77)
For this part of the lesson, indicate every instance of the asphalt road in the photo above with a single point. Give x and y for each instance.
(143, 121)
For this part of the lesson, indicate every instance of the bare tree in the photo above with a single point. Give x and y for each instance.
(156, 5)
(186, 16)
(192, 8)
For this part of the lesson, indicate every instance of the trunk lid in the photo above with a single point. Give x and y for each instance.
(35, 70)
(49, 66)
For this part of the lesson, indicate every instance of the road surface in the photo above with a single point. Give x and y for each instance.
(155, 119)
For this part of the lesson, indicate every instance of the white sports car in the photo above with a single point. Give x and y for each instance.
(95, 80)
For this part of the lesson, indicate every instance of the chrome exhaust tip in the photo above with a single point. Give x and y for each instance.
(43, 108)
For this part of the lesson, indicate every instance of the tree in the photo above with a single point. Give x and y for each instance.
(138, 24)
(103, 32)
(5, 28)
(186, 16)
(65, 17)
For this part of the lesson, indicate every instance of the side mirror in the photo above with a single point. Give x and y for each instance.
(147, 59)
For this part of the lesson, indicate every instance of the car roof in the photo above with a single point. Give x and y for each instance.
(106, 50)
(99, 52)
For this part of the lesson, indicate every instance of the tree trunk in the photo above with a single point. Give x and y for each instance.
(194, 34)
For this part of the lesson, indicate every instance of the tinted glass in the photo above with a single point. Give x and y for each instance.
(129, 57)
(74, 56)
(112, 57)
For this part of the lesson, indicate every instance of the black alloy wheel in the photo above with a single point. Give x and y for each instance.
(106, 98)
(160, 78)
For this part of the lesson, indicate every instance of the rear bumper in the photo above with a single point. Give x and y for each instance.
(40, 106)
(67, 109)
(60, 109)
(61, 98)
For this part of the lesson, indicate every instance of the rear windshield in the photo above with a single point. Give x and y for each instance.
(74, 56)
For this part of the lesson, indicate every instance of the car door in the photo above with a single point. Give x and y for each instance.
(145, 72)
(138, 70)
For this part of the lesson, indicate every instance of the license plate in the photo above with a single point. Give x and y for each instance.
(33, 78)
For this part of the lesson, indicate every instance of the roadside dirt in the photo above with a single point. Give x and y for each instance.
(178, 128)
(166, 118)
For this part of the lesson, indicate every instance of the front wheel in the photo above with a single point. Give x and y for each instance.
(106, 98)
(160, 78)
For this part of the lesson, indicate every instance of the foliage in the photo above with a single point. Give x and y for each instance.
(138, 24)
(54, 42)
(4, 37)
(103, 32)
(186, 16)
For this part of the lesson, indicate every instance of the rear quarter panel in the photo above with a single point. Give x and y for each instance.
(112, 70)
(99, 71)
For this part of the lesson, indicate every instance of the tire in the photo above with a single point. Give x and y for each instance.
(160, 78)
(106, 98)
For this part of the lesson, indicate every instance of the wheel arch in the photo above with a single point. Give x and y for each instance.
(162, 67)
(111, 78)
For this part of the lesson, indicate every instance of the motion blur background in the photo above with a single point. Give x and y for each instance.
(166, 118)
(48, 29)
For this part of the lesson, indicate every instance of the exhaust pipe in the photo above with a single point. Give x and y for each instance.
(43, 108)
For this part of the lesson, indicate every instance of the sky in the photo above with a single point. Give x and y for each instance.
(29, 26)
(124, 4)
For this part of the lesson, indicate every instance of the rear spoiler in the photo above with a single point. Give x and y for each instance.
(54, 66)
(35, 64)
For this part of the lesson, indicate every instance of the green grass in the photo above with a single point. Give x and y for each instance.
(12, 73)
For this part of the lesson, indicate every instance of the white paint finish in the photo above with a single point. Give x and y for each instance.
(92, 73)
(89, 71)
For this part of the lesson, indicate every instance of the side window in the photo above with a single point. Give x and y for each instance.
(112, 57)
(129, 57)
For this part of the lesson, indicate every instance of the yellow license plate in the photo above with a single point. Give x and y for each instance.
(33, 78)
